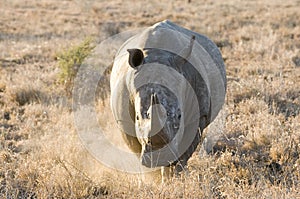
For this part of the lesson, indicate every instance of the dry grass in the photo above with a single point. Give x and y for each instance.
(258, 155)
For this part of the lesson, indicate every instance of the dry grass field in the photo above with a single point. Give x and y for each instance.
(258, 154)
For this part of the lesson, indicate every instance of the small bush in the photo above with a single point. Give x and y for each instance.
(70, 60)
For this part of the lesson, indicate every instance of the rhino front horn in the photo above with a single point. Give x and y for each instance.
(136, 57)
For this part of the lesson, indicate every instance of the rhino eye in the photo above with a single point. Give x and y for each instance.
(171, 114)
(175, 126)
(179, 116)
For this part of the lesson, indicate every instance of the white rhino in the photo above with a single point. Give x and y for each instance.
(167, 84)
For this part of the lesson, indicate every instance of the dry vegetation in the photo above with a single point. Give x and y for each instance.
(258, 155)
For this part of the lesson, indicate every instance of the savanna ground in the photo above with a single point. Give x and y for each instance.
(257, 155)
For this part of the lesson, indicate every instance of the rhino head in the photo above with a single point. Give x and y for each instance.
(157, 116)
(157, 120)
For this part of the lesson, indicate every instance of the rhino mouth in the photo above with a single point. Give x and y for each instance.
(163, 157)
(151, 162)
(158, 151)
(153, 159)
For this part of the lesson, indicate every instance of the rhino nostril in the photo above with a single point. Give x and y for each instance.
(149, 143)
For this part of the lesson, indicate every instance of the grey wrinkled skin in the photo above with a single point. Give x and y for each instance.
(152, 115)
(171, 105)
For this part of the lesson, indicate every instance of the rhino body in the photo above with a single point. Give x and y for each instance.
(167, 84)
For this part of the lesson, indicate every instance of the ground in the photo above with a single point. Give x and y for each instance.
(257, 155)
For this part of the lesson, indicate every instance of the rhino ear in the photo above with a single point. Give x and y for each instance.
(136, 57)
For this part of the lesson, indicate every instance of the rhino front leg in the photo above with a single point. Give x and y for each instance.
(181, 164)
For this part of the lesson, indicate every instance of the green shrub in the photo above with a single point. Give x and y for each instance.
(70, 60)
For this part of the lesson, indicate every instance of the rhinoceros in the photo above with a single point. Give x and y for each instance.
(167, 85)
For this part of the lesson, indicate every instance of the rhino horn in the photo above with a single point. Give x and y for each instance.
(180, 59)
(157, 115)
(136, 57)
